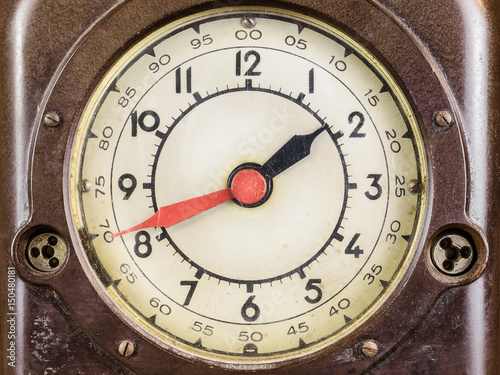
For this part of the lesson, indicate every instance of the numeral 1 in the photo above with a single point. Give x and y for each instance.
(311, 81)
(178, 80)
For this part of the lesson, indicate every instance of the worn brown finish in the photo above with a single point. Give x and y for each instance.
(445, 54)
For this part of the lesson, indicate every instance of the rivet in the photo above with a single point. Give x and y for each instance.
(443, 119)
(52, 119)
(370, 349)
(126, 348)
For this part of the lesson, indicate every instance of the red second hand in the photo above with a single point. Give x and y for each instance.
(175, 213)
(248, 186)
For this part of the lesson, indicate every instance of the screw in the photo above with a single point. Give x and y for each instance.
(85, 186)
(52, 119)
(369, 349)
(414, 186)
(443, 119)
(248, 22)
(126, 348)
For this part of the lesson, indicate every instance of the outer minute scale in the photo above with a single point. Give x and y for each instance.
(328, 228)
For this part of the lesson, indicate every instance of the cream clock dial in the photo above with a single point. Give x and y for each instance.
(248, 184)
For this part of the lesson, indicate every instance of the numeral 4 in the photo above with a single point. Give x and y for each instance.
(351, 250)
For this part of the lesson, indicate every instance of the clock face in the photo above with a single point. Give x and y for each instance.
(248, 184)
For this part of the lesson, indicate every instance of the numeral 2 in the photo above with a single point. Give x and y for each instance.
(356, 132)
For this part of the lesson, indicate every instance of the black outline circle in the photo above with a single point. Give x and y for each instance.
(300, 269)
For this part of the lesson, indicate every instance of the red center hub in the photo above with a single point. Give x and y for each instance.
(249, 186)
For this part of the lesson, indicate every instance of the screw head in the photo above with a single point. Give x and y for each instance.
(414, 187)
(443, 119)
(126, 348)
(369, 349)
(85, 186)
(248, 22)
(52, 119)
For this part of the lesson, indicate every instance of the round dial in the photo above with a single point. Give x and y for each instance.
(248, 185)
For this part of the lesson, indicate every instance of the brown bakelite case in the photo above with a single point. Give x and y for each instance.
(445, 54)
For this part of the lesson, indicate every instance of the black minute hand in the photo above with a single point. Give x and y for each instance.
(293, 151)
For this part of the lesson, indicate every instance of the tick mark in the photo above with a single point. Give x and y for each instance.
(199, 273)
(197, 96)
(302, 274)
(160, 135)
(338, 236)
(249, 288)
(338, 135)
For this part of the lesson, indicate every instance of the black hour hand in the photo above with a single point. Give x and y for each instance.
(293, 151)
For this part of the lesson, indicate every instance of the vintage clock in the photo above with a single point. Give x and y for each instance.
(268, 187)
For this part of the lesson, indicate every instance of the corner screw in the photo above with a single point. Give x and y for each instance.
(370, 349)
(443, 119)
(248, 22)
(52, 119)
(126, 348)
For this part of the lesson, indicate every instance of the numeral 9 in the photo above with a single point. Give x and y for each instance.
(129, 186)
